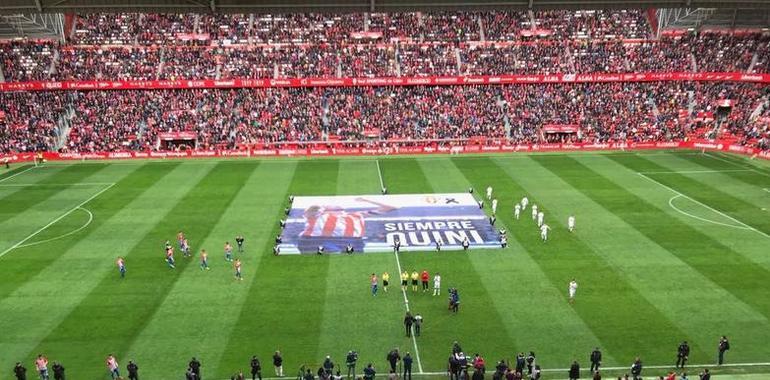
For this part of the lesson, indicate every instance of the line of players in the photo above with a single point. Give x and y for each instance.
(184, 247)
(537, 216)
(518, 208)
(415, 277)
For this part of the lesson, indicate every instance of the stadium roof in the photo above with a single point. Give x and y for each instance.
(286, 6)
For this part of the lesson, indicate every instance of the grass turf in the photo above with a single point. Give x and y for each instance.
(676, 253)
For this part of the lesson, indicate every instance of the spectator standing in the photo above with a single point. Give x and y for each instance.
(682, 354)
(574, 371)
(407, 360)
(58, 371)
(596, 359)
(133, 370)
(724, 346)
(369, 372)
(530, 362)
(636, 369)
(417, 324)
(256, 368)
(478, 363)
(20, 371)
(393, 358)
(278, 363)
(113, 367)
(536, 373)
(328, 365)
(351, 361)
(520, 362)
(41, 364)
(195, 365)
(408, 321)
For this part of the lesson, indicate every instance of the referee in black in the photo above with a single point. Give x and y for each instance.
(239, 241)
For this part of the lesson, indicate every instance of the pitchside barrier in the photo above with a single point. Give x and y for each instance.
(320, 149)
(173, 84)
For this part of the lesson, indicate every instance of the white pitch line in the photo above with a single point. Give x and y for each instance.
(55, 220)
(708, 207)
(768, 190)
(403, 291)
(56, 184)
(379, 173)
(90, 219)
(406, 304)
(15, 174)
(698, 171)
(670, 203)
(735, 164)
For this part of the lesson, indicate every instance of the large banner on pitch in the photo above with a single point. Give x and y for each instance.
(372, 223)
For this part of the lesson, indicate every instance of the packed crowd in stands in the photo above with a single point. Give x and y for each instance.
(239, 118)
(190, 46)
(30, 61)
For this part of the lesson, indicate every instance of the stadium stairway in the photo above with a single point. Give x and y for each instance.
(2, 77)
(693, 63)
(482, 36)
(54, 61)
(753, 63)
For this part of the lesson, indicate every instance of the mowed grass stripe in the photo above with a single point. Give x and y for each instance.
(195, 214)
(31, 207)
(644, 263)
(352, 316)
(710, 257)
(25, 263)
(565, 257)
(78, 325)
(511, 271)
(53, 287)
(746, 185)
(725, 202)
(761, 166)
(203, 291)
(6, 173)
(755, 175)
(442, 327)
(744, 241)
(282, 310)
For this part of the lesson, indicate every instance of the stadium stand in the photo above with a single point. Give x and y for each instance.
(224, 47)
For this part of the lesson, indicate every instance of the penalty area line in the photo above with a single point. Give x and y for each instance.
(62, 216)
(88, 222)
(19, 173)
(705, 205)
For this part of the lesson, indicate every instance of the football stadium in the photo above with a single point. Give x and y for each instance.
(384, 189)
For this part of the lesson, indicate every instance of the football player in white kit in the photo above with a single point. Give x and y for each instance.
(544, 232)
(516, 211)
(540, 217)
(437, 284)
(494, 206)
(534, 212)
(489, 192)
(524, 203)
(573, 285)
(571, 223)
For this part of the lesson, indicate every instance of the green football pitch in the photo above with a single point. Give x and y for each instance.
(669, 246)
